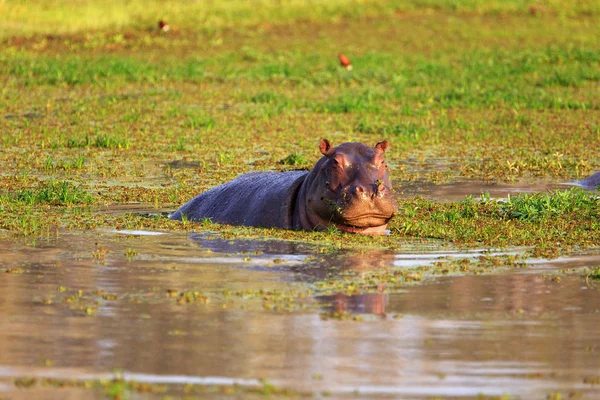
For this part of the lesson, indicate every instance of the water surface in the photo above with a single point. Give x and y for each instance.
(87, 303)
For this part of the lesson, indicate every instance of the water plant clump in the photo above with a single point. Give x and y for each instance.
(294, 159)
(54, 193)
(594, 274)
(544, 206)
(552, 222)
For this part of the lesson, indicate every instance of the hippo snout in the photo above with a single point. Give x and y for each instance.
(363, 192)
(369, 191)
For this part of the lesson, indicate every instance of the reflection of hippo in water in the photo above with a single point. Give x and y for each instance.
(327, 267)
(348, 188)
(591, 182)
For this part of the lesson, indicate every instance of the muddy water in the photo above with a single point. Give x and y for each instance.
(81, 305)
(458, 191)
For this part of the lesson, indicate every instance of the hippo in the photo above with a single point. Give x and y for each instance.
(591, 182)
(348, 188)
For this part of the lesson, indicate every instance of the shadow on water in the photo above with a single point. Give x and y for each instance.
(175, 308)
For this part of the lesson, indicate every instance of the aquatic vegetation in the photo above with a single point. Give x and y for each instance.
(593, 274)
(191, 297)
(341, 316)
(54, 193)
(124, 123)
(562, 218)
(118, 387)
(294, 159)
(14, 271)
(543, 206)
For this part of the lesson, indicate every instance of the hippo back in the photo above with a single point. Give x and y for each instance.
(264, 199)
(591, 182)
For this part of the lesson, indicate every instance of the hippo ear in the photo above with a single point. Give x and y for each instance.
(381, 146)
(324, 146)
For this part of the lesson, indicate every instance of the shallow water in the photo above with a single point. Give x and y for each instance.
(518, 332)
(458, 191)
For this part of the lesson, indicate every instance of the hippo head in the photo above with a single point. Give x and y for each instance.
(349, 188)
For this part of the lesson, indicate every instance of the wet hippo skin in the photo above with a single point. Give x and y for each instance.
(348, 188)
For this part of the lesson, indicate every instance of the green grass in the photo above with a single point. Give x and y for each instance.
(55, 193)
(60, 16)
(544, 206)
(484, 90)
(552, 222)
(547, 78)
(100, 140)
(295, 159)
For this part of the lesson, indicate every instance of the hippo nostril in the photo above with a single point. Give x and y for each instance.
(375, 189)
(369, 191)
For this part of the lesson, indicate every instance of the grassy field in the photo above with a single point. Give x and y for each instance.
(66, 16)
(100, 107)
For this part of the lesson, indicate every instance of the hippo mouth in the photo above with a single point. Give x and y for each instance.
(369, 230)
(367, 220)
(369, 224)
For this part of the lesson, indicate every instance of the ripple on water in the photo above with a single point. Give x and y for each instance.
(520, 334)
